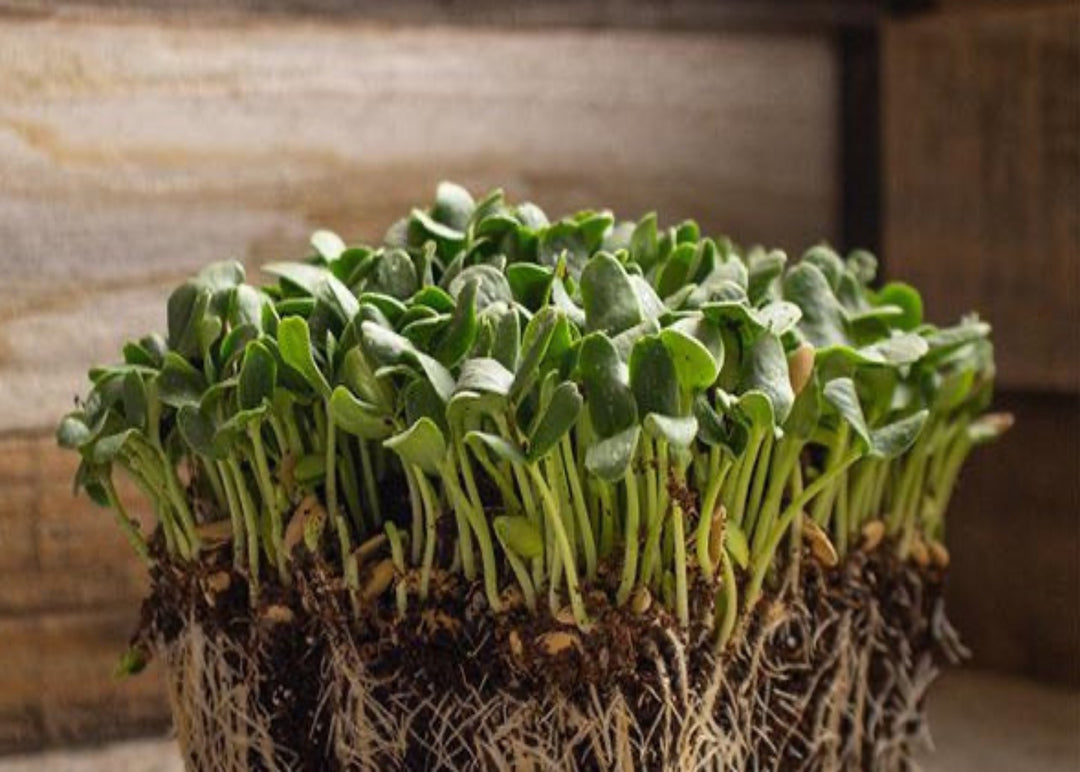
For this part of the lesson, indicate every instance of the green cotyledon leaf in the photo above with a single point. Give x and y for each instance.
(822, 322)
(357, 417)
(610, 458)
(765, 369)
(294, 342)
(611, 304)
(653, 377)
(519, 535)
(886, 441)
(558, 416)
(258, 376)
(422, 445)
(611, 403)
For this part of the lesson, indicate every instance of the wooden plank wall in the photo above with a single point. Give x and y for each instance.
(982, 210)
(133, 149)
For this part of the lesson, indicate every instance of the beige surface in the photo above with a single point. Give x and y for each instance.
(982, 723)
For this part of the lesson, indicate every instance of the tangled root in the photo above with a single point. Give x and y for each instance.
(830, 673)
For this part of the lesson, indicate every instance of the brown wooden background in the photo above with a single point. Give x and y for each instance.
(135, 145)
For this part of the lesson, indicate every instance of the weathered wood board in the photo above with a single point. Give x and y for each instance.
(133, 152)
(982, 175)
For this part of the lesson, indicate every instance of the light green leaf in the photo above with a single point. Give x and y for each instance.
(179, 383)
(481, 442)
(421, 445)
(328, 244)
(558, 416)
(358, 417)
(519, 535)
(765, 369)
(697, 349)
(294, 341)
(678, 431)
(610, 458)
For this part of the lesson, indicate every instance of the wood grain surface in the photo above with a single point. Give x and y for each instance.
(982, 178)
(133, 152)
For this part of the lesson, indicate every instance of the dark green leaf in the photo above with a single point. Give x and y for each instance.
(612, 408)
(558, 416)
(258, 376)
(611, 305)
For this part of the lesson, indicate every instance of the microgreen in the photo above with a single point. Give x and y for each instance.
(540, 403)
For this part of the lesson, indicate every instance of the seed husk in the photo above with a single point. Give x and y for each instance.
(820, 546)
(558, 641)
(215, 534)
(716, 534)
(919, 553)
(872, 534)
(565, 616)
(214, 585)
(378, 581)
(641, 600)
(517, 648)
(369, 548)
(801, 367)
(278, 614)
(309, 516)
(512, 597)
(939, 554)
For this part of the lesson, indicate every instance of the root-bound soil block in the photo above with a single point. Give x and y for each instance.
(830, 673)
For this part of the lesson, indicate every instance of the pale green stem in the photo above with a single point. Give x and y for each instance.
(477, 519)
(588, 542)
(371, 487)
(347, 470)
(127, 525)
(737, 510)
(235, 515)
(682, 603)
(417, 520)
(708, 508)
(632, 536)
(352, 578)
(431, 513)
(762, 561)
(563, 544)
(397, 554)
(266, 487)
(822, 509)
(730, 589)
(250, 523)
(784, 461)
(761, 476)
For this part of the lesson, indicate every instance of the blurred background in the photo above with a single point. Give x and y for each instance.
(139, 141)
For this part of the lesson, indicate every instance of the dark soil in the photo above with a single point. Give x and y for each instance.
(453, 642)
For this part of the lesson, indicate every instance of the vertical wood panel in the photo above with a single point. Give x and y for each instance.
(982, 142)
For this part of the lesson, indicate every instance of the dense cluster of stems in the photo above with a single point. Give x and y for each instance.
(552, 407)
